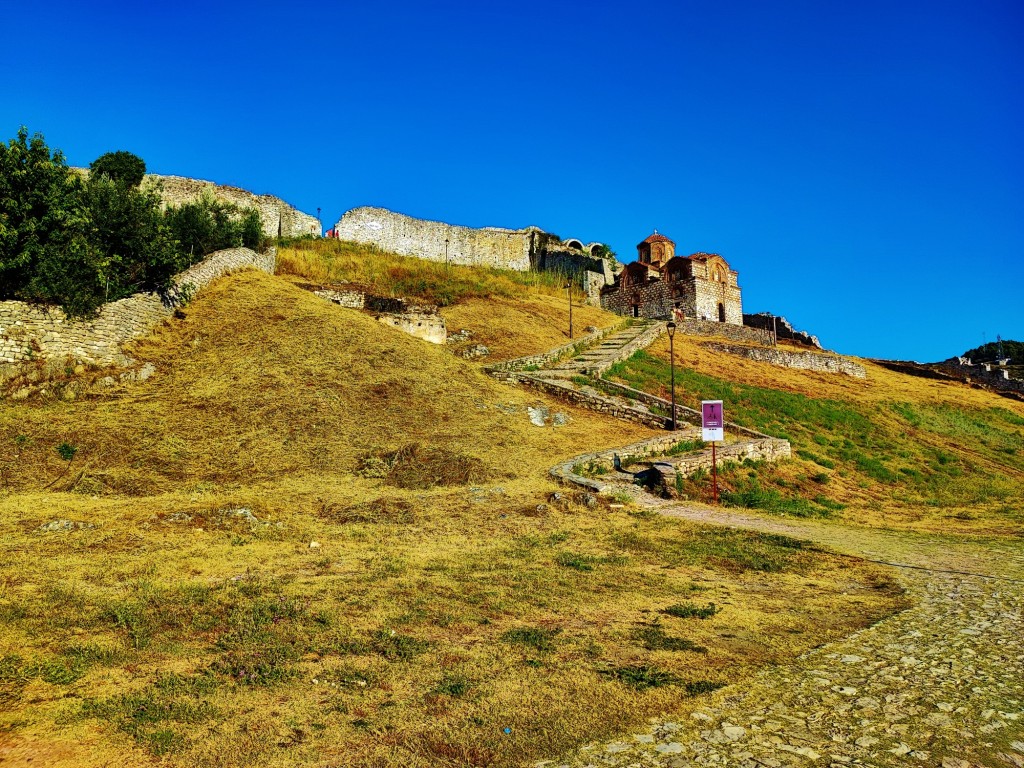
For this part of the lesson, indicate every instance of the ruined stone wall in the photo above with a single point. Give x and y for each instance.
(809, 361)
(692, 327)
(279, 218)
(593, 402)
(406, 236)
(30, 331)
(517, 249)
(781, 328)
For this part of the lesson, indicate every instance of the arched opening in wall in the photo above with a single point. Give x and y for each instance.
(721, 312)
(572, 243)
(636, 310)
(595, 249)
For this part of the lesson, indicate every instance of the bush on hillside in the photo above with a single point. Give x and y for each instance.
(209, 225)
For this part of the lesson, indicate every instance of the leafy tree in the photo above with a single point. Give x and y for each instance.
(135, 245)
(43, 221)
(121, 167)
(207, 225)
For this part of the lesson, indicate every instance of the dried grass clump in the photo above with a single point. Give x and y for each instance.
(419, 467)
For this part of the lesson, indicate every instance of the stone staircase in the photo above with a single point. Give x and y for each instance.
(602, 355)
(554, 372)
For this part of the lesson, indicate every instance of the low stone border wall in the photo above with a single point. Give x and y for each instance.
(688, 413)
(565, 390)
(654, 445)
(419, 320)
(810, 361)
(767, 449)
(29, 331)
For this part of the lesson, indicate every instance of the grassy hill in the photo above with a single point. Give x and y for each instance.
(309, 538)
(889, 450)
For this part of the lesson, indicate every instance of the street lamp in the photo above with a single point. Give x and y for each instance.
(568, 292)
(671, 326)
(446, 264)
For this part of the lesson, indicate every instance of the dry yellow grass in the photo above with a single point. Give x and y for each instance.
(525, 326)
(423, 624)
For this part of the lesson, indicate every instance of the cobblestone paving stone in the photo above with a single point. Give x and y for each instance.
(941, 684)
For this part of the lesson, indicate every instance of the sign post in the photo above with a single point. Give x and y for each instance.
(713, 430)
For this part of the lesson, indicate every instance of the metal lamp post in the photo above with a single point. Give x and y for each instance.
(568, 292)
(446, 264)
(671, 326)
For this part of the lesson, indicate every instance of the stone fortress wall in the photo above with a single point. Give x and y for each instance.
(29, 332)
(279, 218)
(516, 249)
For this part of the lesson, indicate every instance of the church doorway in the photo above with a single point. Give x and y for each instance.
(721, 312)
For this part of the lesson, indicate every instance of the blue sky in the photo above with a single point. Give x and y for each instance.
(859, 163)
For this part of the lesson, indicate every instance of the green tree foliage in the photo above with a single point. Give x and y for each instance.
(82, 243)
(606, 253)
(988, 352)
(209, 225)
(135, 245)
(121, 167)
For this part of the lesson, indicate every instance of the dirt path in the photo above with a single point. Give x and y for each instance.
(941, 684)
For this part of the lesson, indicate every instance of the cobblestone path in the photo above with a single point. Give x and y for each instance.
(941, 684)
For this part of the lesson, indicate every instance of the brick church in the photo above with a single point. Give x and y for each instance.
(661, 285)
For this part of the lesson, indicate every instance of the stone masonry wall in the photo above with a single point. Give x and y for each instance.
(517, 249)
(567, 391)
(766, 448)
(406, 236)
(810, 361)
(30, 331)
(781, 327)
(544, 358)
(279, 218)
(692, 327)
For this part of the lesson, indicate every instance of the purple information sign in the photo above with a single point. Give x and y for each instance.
(712, 420)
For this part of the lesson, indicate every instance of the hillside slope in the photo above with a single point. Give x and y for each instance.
(311, 539)
(263, 380)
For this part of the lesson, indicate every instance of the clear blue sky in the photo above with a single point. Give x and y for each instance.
(860, 163)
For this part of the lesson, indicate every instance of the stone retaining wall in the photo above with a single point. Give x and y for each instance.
(29, 331)
(417, 320)
(566, 391)
(693, 327)
(810, 361)
(683, 413)
(766, 449)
